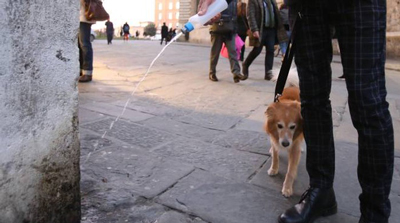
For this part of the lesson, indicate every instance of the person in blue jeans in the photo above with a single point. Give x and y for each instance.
(85, 46)
(266, 26)
(284, 12)
(361, 32)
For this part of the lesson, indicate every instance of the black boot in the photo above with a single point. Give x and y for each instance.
(238, 77)
(213, 77)
(314, 203)
(268, 75)
(245, 71)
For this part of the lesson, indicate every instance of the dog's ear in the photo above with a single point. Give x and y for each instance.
(270, 111)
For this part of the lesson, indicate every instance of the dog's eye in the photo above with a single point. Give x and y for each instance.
(292, 127)
(280, 126)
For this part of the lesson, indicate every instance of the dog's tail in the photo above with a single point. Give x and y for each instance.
(292, 80)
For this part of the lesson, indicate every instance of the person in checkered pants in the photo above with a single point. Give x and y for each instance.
(361, 32)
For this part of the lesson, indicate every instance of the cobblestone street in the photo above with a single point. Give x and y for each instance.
(188, 150)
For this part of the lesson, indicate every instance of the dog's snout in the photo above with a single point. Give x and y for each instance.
(285, 143)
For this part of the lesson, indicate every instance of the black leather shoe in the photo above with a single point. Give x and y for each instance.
(212, 77)
(245, 71)
(238, 77)
(268, 75)
(314, 203)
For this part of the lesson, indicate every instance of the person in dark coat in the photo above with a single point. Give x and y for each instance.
(109, 31)
(164, 33)
(266, 26)
(242, 25)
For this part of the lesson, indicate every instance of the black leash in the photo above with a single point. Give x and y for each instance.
(287, 61)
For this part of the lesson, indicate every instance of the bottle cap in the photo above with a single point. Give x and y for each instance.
(188, 27)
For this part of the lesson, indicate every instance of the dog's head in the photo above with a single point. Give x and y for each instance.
(284, 122)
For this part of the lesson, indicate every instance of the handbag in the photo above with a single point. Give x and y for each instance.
(238, 44)
(223, 27)
(94, 11)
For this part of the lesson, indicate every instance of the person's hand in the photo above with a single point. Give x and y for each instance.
(256, 34)
(214, 19)
(203, 6)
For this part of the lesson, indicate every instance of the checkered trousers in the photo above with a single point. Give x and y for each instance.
(361, 30)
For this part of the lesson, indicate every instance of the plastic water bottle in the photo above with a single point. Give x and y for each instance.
(197, 21)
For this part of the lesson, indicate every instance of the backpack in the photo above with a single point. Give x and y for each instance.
(126, 28)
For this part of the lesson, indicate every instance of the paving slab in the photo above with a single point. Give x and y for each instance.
(116, 111)
(176, 217)
(183, 129)
(254, 121)
(105, 203)
(129, 168)
(92, 142)
(131, 133)
(255, 142)
(275, 183)
(211, 120)
(153, 106)
(228, 163)
(86, 116)
(216, 199)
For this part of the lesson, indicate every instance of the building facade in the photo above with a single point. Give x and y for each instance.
(167, 11)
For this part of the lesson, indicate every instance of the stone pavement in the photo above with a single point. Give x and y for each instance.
(188, 150)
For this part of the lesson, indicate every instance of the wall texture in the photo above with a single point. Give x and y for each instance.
(393, 15)
(39, 146)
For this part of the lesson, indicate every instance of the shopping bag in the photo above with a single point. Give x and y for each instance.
(239, 44)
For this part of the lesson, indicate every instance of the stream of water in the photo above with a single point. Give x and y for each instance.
(134, 91)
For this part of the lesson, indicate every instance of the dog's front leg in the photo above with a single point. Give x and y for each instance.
(273, 170)
(294, 158)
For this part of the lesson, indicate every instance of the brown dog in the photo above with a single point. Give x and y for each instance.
(284, 125)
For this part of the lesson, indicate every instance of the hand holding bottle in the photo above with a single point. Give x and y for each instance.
(209, 11)
(203, 6)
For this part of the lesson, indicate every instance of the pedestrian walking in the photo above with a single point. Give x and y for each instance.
(126, 28)
(284, 13)
(266, 27)
(109, 31)
(224, 31)
(361, 32)
(242, 25)
(85, 46)
(164, 33)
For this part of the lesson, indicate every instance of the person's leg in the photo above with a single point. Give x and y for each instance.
(235, 68)
(243, 37)
(269, 35)
(109, 38)
(86, 52)
(313, 59)
(250, 58)
(216, 45)
(283, 47)
(361, 30)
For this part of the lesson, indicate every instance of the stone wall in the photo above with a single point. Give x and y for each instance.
(393, 15)
(39, 161)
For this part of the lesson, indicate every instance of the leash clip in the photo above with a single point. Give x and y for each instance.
(300, 15)
(277, 97)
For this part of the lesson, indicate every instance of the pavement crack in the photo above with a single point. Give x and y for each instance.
(257, 171)
(180, 202)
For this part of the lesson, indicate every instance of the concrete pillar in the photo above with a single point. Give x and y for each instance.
(39, 146)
